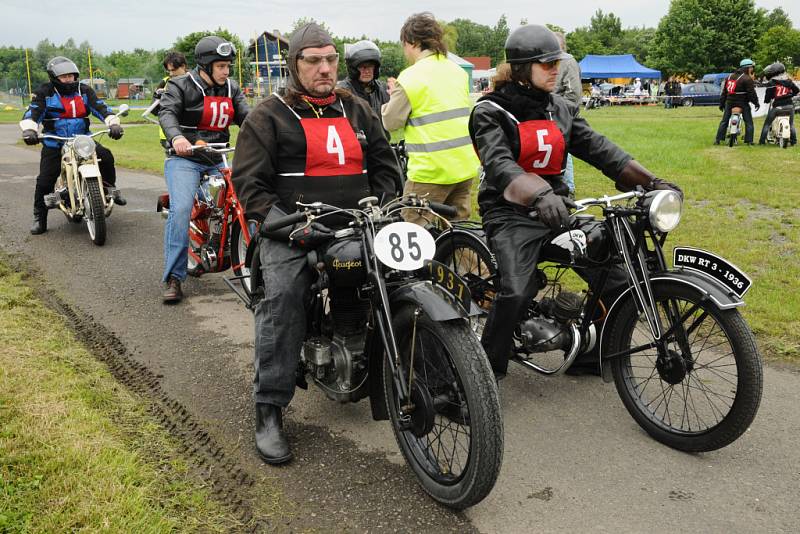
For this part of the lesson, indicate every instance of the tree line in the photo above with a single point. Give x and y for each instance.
(693, 38)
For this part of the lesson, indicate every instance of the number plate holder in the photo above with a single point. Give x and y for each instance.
(714, 266)
(444, 278)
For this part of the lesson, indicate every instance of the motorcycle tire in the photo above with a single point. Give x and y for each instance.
(783, 143)
(732, 140)
(468, 256)
(454, 443)
(711, 396)
(94, 211)
(238, 255)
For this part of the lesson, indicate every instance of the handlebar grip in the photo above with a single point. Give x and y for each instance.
(443, 209)
(281, 222)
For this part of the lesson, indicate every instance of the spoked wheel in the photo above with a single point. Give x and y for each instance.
(94, 211)
(198, 237)
(705, 392)
(469, 258)
(239, 253)
(453, 435)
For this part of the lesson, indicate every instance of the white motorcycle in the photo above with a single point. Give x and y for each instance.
(79, 192)
(781, 130)
(734, 125)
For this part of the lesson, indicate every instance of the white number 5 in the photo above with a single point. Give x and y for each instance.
(334, 144)
(540, 134)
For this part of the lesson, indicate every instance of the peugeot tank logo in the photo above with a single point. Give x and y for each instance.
(349, 264)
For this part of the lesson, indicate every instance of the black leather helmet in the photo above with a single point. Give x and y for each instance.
(361, 52)
(213, 48)
(775, 69)
(58, 66)
(533, 44)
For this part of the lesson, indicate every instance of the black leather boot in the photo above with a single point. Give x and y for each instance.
(271, 442)
(39, 221)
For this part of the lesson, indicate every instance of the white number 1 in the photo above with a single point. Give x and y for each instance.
(74, 110)
(334, 144)
(540, 134)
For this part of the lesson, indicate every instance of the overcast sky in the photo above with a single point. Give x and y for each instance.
(152, 24)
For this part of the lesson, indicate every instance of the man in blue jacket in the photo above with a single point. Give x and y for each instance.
(62, 106)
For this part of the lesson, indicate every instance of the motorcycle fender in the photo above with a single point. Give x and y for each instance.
(89, 170)
(709, 287)
(436, 302)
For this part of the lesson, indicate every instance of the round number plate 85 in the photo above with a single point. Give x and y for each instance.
(404, 246)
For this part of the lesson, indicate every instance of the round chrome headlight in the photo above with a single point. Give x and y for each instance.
(665, 210)
(84, 146)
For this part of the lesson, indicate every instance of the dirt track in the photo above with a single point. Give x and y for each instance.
(574, 459)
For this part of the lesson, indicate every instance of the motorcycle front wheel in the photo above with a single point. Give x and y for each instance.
(453, 435)
(94, 211)
(706, 392)
(239, 253)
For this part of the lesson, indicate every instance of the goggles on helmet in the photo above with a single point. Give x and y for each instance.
(226, 49)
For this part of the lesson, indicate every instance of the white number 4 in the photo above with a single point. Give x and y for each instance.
(540, 134)
(334, 144)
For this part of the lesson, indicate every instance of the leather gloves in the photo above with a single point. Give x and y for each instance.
(31, 137)
(721, 107)
(115, 131)
(552, 208)
(657, 184)
(311, 236)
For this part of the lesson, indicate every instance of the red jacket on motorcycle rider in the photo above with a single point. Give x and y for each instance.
(522, 133)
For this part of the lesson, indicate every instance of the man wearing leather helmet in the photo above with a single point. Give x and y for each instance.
(63, 106)
(316, 143)
(523, 132)
(200, 106)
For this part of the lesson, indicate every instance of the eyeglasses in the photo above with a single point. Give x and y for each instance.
(316, 59)
(225, 49)
(550, 65)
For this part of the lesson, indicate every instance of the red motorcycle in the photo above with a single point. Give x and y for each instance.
(219, 232)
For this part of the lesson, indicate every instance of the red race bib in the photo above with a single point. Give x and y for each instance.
(730, 86)
(74, 107)
(781, 91)
(217, 113)
(542, 147)
(331, 148)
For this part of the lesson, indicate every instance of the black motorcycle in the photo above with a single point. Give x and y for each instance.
(388, 323)
(684, 361)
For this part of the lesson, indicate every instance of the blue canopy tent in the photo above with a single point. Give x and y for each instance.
(622, 66)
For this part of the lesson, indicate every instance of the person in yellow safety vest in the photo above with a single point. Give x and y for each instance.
(175, 65)
(430, 101)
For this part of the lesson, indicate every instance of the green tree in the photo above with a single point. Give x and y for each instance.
(700, 36)
(776, 17)
(779, 43)
(473, 39)
(606, 28)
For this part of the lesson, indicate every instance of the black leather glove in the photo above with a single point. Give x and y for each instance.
(758, 106)
(657, 184)
(311, 236)
(552, 209)
(721, 108)
(115, 131)
(31, 137)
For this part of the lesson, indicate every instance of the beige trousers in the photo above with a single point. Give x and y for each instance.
(457, 195)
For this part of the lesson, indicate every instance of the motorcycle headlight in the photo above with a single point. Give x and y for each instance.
(665, 210)
(83, 146)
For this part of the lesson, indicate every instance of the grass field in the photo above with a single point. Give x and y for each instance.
(77, 451)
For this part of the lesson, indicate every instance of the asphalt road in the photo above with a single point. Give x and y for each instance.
(574, 459)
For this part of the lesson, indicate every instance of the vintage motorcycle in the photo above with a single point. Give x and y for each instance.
(79, 191)
(388, 323)
(780, 131)
(684, 361)
(219, 232)
(734, 126)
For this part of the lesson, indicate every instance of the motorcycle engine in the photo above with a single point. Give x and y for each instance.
(547, 327)
(338, 364)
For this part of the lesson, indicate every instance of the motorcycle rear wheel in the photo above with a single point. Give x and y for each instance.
(732, 140)
(455, 442)
(711, 395)
(94, 211)
(783, 143)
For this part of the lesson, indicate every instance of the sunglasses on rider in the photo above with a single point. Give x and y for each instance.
(550, 65)
(316, 59)
(225, 49)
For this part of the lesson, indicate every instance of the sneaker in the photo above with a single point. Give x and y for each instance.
(173, 293)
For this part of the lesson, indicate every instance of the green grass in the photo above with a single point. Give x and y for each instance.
(743, 203)
(77, 452)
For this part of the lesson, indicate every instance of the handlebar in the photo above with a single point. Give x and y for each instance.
(282, 222)
(214, 148)
(443, 209)
(59, 138)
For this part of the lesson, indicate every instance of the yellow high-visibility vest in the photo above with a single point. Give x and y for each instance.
(437, 135)
(161, 134)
